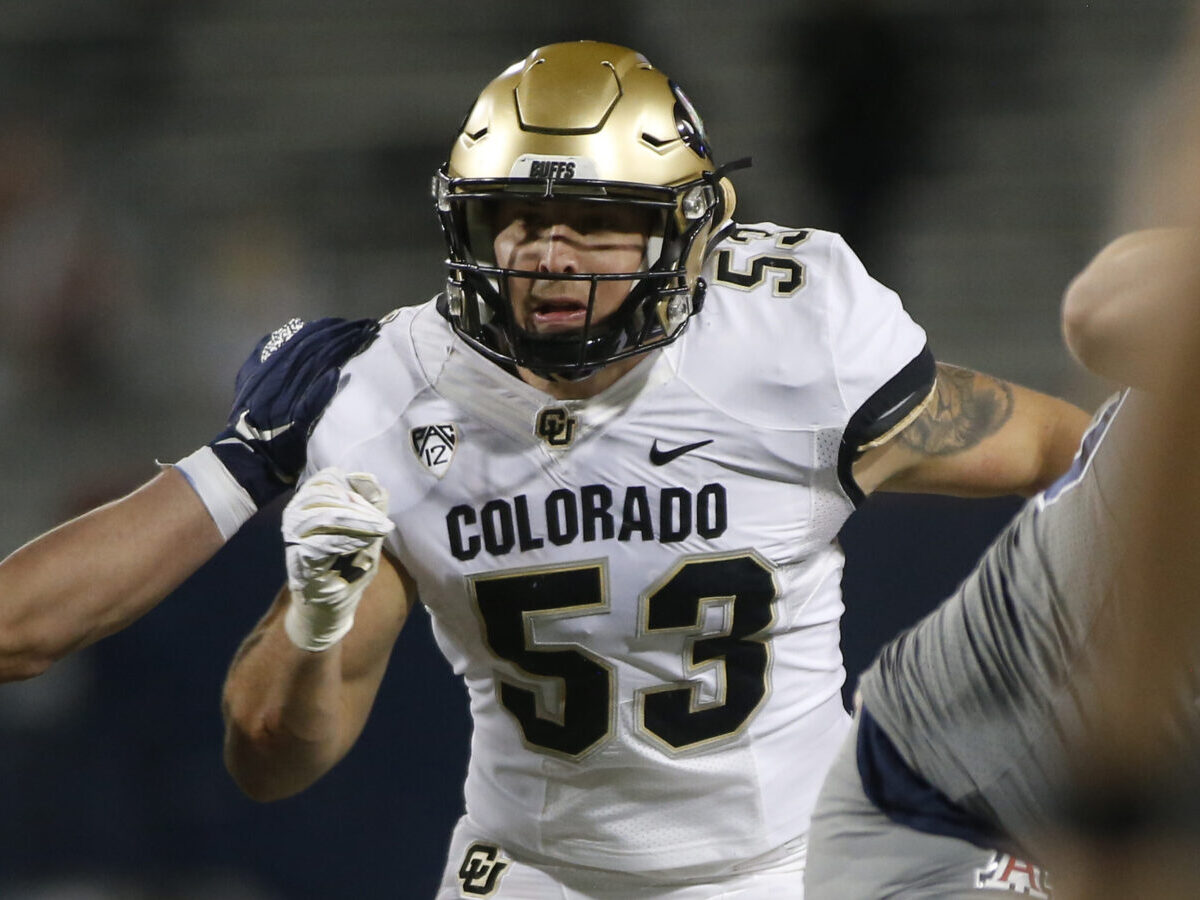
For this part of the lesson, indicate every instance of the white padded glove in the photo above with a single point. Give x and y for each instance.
(333, 531)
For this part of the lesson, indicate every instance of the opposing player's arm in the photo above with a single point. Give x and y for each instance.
(292, 714)
(976, 436)
(96, 574)
(1123, 310)
(99, 572)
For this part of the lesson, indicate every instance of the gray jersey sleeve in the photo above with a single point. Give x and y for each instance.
(975, 696)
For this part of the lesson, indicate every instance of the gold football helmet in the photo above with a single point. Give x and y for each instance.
(588, 122)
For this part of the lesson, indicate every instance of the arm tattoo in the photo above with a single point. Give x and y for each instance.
(965, 408)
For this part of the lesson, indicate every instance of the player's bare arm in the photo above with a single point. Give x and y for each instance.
(290, 714)
(977, 436)
(293, 712)
(965, 408)
(1125, 308)
(96, 574)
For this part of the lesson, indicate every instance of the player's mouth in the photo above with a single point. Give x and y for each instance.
(557, 314)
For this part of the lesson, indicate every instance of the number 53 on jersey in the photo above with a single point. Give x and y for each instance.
(672, 716)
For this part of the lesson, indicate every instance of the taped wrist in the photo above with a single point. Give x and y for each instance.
(249, 462)
(316, 627)
(226, 500)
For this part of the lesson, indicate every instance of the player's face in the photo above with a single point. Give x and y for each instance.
(568, 237)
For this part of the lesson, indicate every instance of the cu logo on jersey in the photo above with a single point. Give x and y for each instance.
(556, 426)
(481, 869)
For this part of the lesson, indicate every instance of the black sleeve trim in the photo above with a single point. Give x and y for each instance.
(882, 411)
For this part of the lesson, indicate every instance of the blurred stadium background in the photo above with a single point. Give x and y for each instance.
(178, 178)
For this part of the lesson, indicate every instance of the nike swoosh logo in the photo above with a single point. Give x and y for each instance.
(662, 457)
(250, 433)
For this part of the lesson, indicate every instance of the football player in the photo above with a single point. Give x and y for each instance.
(611, 460)
(953, 780)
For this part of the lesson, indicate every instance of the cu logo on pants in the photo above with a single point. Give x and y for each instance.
(479, 874)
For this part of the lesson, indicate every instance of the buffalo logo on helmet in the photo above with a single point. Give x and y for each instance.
(689, 124)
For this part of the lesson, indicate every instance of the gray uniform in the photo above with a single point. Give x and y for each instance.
(952, 769)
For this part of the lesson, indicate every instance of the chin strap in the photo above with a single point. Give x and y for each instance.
(732, 166)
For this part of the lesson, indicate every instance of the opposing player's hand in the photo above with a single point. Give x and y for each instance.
(333, 531)
(280, 392)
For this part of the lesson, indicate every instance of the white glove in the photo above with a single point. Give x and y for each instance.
(333, 531)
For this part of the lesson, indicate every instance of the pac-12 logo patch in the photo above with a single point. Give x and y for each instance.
(1005, 872)
(434, 446)
(482, 867)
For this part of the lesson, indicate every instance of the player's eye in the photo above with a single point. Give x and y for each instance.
(534, 221)
(589, 223)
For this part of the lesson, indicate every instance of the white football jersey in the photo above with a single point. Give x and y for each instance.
(642, 589)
